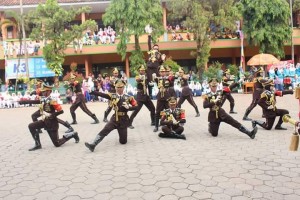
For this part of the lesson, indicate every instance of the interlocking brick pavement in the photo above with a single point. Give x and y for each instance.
(231, 166)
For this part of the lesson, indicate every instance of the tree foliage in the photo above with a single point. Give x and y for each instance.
(266, 24)
(49, 21)
(213, 71)
(130, 17)
(198, 15)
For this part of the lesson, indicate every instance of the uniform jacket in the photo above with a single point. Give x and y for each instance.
(213, 101)
(168, 117)
(142, 88)
(163, 84)
(186, 90)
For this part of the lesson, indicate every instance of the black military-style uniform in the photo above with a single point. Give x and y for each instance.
(258, 89)
(153, 63)
(49, 123)
(186, 94)
(163, 84)
(227, 87)
(217, 114)
(112, 89)
(119, 120)
(268, 103)
(80, 102)
(172, 121)
(142, 99)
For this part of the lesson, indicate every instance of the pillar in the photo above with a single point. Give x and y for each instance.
(3, 27)
(88, 65)
(164, 15)
(82, 17)
(127, 72)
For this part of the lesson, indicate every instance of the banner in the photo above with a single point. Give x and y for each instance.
(37, 68)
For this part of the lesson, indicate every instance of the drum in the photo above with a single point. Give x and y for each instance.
(287, 81)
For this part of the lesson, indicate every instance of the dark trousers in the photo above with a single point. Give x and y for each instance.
(189, 98)
(149, 104)
(160, 106)
(110, 126)
(53, 134)
(177, 129)
(79, 102)
(37, 114)
(213, 127)
(270, 120)
(230, 99)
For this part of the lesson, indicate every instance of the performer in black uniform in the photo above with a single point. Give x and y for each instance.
(52, 109)
(79, 101)
(186, 93)
(172, 120)
(121, 103)
(163, 84)
(228, 84)
(268, 103)
(142, 97)
(213, 101)
(115, 76)
(154, 61)
(38, 113)
(258, 89)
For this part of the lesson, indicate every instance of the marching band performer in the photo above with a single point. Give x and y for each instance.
(121, 103)
(213, 101)
(142, 97)
(186, 93)
(49, 109)
(258, 89)
(268, 103)
(79, 101)
(172, 120)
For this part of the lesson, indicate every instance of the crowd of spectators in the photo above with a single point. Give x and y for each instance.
(15, 49)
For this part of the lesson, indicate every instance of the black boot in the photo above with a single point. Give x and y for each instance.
(131, 127)
(178, 136)
(279, 127)
(74, 135)
(74, 118)
(156, 124)
(91, 146)
(37, 141)
(152, 120)
(96, 119)
(251, 134)
(70, 129)
(197, 112)
(246, 115)
(256, 122)
(105, 116)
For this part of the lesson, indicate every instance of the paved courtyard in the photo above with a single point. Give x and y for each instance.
(231, 166)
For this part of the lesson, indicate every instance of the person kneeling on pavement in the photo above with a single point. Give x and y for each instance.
(268, 103)
(172, 120)
(214, 101)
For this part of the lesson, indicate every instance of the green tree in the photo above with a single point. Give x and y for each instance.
(197, 16)
(49, 22)
(266, 24)
(130, 17)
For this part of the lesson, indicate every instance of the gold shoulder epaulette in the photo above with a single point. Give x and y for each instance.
(263, 95)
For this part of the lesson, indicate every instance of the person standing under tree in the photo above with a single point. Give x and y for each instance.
(121, 103)
(142, 97)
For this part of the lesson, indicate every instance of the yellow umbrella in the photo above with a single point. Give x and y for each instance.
(263, 59)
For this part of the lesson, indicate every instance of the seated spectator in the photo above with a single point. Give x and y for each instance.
(30, 48)
(69, 95)
(113, 36)
(177, 28)
(188, 36)
(179, 37)
(174, 36)
(15, 100)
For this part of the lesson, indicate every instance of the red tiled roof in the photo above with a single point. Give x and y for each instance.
(36, 2)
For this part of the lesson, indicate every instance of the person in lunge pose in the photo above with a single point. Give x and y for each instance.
(49, 109)
(268, 103)
(142, 97)
(213, 100)
(186, 93)
(228, 84)
(121, 104)
(79, 101)
(258, 89)
(172, 120)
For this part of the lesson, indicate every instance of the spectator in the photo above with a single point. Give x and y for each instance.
(174, 36)
(69, 95)
(36, 47)
(179, 37)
